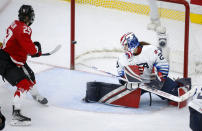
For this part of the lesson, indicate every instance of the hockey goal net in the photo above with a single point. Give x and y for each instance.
(97, 25)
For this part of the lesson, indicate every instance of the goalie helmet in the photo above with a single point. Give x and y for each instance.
(130, 40)
(26, 14)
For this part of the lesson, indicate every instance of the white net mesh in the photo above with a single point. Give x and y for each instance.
(101, 23)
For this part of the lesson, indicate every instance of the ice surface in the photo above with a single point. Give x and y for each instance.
(65, 88)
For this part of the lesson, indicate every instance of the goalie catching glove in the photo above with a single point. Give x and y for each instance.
(39, 52)
(157, 81)
(155, 84)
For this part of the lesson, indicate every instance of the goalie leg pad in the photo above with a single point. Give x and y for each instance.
(177, 88)
(184, 82)
(96, 90)
(182, 91)
(170, 86)
(113, 94)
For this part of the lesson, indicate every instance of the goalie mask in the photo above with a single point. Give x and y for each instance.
(129, 40)
(26, 14)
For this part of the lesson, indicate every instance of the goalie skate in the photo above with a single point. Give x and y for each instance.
(19, 120)
(40, 99)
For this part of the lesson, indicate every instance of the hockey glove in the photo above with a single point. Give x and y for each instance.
(153, 76)
(2, 120)
(38, 45)
(155, 84)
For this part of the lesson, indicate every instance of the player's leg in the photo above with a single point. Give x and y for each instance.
(170, 87)
(177, 88)
(13, 74)
(33, 90)
(17, 118)
(16, 77)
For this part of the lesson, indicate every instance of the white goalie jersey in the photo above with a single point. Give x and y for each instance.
(149, 57)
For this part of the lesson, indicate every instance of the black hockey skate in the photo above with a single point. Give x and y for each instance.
(18, 119)
(40, 99)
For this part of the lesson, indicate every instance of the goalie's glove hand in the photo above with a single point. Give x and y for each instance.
(39, 52)
(155, 84)
(2, 120)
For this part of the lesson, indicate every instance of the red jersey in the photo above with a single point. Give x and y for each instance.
(18, 43)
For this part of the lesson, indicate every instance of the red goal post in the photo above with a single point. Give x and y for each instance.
(186, 33)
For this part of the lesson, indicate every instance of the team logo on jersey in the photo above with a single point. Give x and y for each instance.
(145, 65)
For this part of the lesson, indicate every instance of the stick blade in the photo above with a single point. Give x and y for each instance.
(53, 51)
(56, 49)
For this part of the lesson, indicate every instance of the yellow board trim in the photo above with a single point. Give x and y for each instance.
(141, 9)
(196, 18)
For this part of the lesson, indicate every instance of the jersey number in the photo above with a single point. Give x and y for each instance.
(160, 56)
(8, 36)
(27, 30)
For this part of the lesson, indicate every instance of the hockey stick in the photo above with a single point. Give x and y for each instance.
(102, 71)
(152, 90)
(182, 98)
(53, 51)
(108, 73)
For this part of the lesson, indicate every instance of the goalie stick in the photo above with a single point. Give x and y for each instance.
(102, 71)
(53, 51)
(152, 90)
(108, 73)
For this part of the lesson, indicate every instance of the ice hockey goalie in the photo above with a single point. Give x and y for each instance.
(141, 63)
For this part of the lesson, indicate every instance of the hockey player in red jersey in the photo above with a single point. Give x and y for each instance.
(17, 46)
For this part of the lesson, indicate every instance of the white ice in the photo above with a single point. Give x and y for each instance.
(95, 28)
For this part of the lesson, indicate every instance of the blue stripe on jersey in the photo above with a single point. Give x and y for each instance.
(164, 69)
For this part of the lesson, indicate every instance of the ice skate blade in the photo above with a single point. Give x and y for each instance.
(20, 123)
